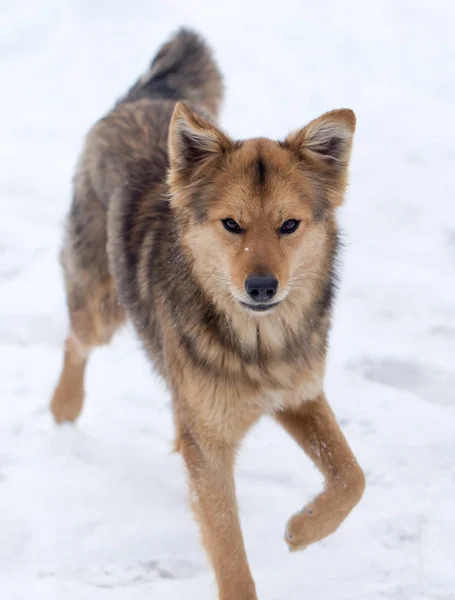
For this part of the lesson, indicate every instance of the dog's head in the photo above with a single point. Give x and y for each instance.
(258, 216)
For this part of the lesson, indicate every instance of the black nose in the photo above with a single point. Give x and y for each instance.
(261, 288)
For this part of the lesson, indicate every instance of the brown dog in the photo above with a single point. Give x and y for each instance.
(222, 254)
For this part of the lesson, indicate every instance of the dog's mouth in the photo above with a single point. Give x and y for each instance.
(260, 307)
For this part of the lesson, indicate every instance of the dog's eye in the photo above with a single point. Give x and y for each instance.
(289, 226)
(232, 226)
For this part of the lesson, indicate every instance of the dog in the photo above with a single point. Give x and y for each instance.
(223, 255)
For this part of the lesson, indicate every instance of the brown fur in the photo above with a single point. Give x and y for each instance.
(145, 236)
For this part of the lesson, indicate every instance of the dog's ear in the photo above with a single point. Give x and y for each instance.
(326, 141)
(324, 146)
(193, 140)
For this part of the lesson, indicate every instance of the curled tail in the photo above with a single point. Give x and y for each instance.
(183, 69)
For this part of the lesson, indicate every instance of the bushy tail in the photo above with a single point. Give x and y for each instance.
(183, 69)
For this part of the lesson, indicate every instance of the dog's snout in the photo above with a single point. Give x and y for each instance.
(261, 288)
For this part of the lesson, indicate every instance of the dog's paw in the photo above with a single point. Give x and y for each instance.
(326, 512)
(300, 530)
(310, 525)
(66, 407)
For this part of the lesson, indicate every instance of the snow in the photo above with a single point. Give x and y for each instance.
(100, 510)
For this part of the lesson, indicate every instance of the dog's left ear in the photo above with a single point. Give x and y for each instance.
(193, 141)
(327, 140)
(324, 146)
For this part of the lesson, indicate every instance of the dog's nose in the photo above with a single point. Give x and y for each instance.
(261, 288)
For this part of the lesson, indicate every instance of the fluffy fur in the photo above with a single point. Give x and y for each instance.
(146, 239)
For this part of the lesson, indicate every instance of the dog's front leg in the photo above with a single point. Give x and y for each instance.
(211, 471)
(314, 427)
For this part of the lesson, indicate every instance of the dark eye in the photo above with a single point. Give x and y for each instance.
(289, 226)
(232, 226)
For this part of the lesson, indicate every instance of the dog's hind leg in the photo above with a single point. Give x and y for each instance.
(315, 429)
(94, 311)
(93, 323)
(68, 397)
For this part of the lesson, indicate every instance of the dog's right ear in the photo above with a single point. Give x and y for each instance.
(193, 141)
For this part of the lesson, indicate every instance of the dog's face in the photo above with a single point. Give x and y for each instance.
(258, 215)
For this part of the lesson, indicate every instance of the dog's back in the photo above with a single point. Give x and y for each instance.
(124, 151)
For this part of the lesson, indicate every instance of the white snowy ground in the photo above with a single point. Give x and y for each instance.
(99, 510)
